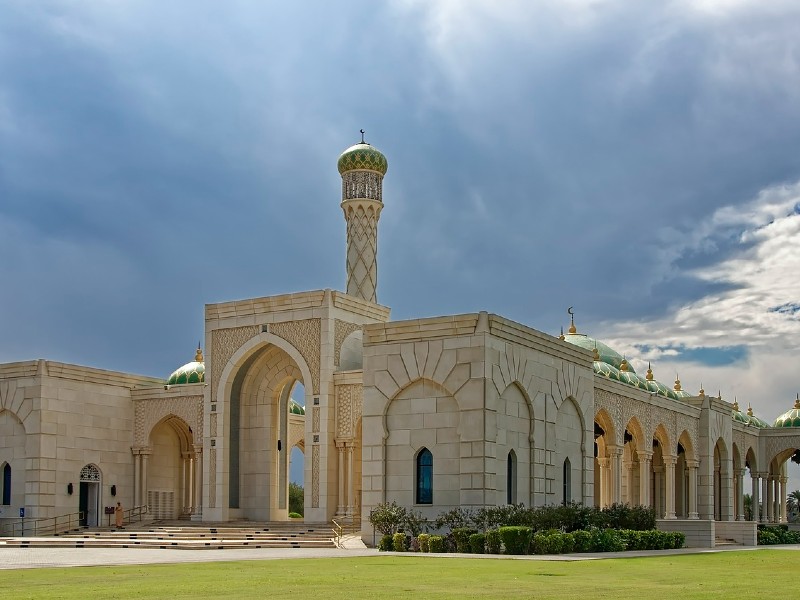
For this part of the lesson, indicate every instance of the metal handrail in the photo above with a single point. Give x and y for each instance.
(339, 530)
(137, 512)
(46, 526)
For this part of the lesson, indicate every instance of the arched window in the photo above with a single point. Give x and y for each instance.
(511, 478)
(424, 477)
(567, 478)
(7, 484)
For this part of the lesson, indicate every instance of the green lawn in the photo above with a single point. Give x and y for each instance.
(747, 574)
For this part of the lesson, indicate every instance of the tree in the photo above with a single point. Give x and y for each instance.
(793, 505)
(748, 507)
(296, 498)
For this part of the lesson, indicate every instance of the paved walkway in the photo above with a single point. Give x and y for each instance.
(29, 558)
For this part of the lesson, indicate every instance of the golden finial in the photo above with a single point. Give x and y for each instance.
(572, 328)
(735, 404)
(797, 401)
(198, 355)
(561, 337)
(596, 353)
(702, 392)
(749, 410)
(649, 375)
(677, 386)
(623, 366)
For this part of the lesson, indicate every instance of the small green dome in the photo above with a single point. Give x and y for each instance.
(606, 370)
(362, 156)
(791, 418)
(607, 354)
(295, 408)
(739, 416)
(193, 372)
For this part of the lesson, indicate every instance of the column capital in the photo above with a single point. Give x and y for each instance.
(784, 479)
(614, 450)
(693, 464)
(646, 455)
(670, 461)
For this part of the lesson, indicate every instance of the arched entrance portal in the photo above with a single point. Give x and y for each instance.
(169, 479)
(89, 495)
(260, 434)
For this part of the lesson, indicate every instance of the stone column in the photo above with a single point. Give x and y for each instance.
(616, 475)
(754, 504)
(350, 493)
(143, 498)
(770, 501)
(604, 464)
(197, 510)
(657, 502)
(184, 496)
(693, 489)
(137, 477)
(783, 481)
(669, 463)
(764, 496)
(644, 477)
(340, 508)
(740, 495)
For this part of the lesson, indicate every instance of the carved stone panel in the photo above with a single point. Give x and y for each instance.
(305, 336)
(225, 344)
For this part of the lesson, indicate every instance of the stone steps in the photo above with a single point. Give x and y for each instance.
(252, 535)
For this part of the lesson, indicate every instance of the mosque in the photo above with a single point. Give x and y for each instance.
(434, 413)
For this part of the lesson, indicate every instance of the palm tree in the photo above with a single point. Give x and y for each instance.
(793, 505)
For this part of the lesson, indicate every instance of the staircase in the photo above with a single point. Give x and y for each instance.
(177, 535)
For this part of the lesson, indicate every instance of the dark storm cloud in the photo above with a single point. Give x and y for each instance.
(155, 157)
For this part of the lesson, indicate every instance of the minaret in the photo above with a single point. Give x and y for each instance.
(362, 168)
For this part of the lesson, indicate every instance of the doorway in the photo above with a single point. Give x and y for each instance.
(89, 496)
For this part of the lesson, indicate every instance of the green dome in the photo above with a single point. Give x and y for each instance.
(633, 379)
(761, 423)
(658, 387)
(295, 408)
(362, 157)
(790, 418)
(193, 372)
(607, 355)
(606, 370)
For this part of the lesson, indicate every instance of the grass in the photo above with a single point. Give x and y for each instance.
(746, 574)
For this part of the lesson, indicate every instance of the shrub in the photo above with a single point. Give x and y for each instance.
(516, 538)
(414, 522)
(414, 546)
(550, 542)
(387, 518)
(582, 541)
(424, 542)
(436, 543)
(678, 539)
(455, 519)
(461, 538)
(777, 535)
(607, 540)
(493, 541)
(399, 542)
(294, 515)
(386, 543)
(477, 543)
(568, 542)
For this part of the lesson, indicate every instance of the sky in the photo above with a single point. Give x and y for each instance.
(638, 161)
